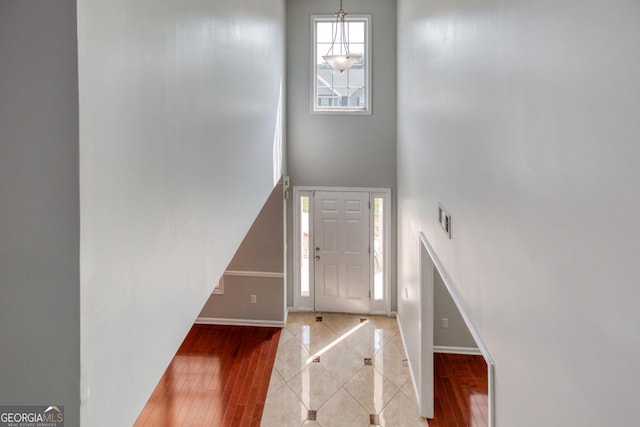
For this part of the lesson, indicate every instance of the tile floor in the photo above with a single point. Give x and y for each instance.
(340, 370)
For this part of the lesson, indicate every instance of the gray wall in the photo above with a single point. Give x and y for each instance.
(456, 334)
(39, 210)
(178, 120)
(235, 304)
(520, 118)
(341, 150)
(261, 250)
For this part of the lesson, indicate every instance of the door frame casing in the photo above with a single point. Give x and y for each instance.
(307, 303)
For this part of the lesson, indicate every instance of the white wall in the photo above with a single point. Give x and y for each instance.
(521, 119)
(341, 150)
(39, 207)
(178, 113)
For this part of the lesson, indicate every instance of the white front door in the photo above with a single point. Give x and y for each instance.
(342, 252)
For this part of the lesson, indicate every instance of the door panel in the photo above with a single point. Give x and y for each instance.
(354, 278)
(342, 253)
(354, 237)
(330, 280)
(330, 235)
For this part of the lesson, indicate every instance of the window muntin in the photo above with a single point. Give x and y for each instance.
(335, 91)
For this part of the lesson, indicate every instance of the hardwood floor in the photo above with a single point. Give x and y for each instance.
(461, 391)
(219, 377)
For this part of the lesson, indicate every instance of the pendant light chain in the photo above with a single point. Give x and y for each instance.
(340, 15)
(345, 59)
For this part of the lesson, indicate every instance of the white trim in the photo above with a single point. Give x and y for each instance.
(267, 274)
(385, 307)
(456, 298)
(301, 303)
(426, 378)
(240, 322)
(471, 351)
(343, 189)
(219, 288)
(367, 110)
(474, 332)
(411, 370)
(286, 183)
(307, 303)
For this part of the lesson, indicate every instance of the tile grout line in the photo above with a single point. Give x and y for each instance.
(326, 321)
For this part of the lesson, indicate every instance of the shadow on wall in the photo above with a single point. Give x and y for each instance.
(450, 333)
(252, 291)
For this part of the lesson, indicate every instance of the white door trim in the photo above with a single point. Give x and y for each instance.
(383, 307)
(301, 302)
(307, 302)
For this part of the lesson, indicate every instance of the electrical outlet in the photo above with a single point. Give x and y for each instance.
(253, 299)
(445, 323)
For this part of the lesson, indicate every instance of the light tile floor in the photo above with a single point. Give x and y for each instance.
(344, 371)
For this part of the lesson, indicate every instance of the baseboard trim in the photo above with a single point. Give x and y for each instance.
(414, 378)
(267, 274)
(240, 322)
(472, 351)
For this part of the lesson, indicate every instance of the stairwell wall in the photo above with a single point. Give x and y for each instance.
(520, 119)
(179, 127)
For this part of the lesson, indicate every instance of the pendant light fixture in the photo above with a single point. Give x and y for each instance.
(345, 59)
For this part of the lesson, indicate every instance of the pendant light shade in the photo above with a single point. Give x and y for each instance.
(344, 59)
(342, 62)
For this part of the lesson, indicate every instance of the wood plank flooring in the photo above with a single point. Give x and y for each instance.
(461, 391)
(219, 377)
